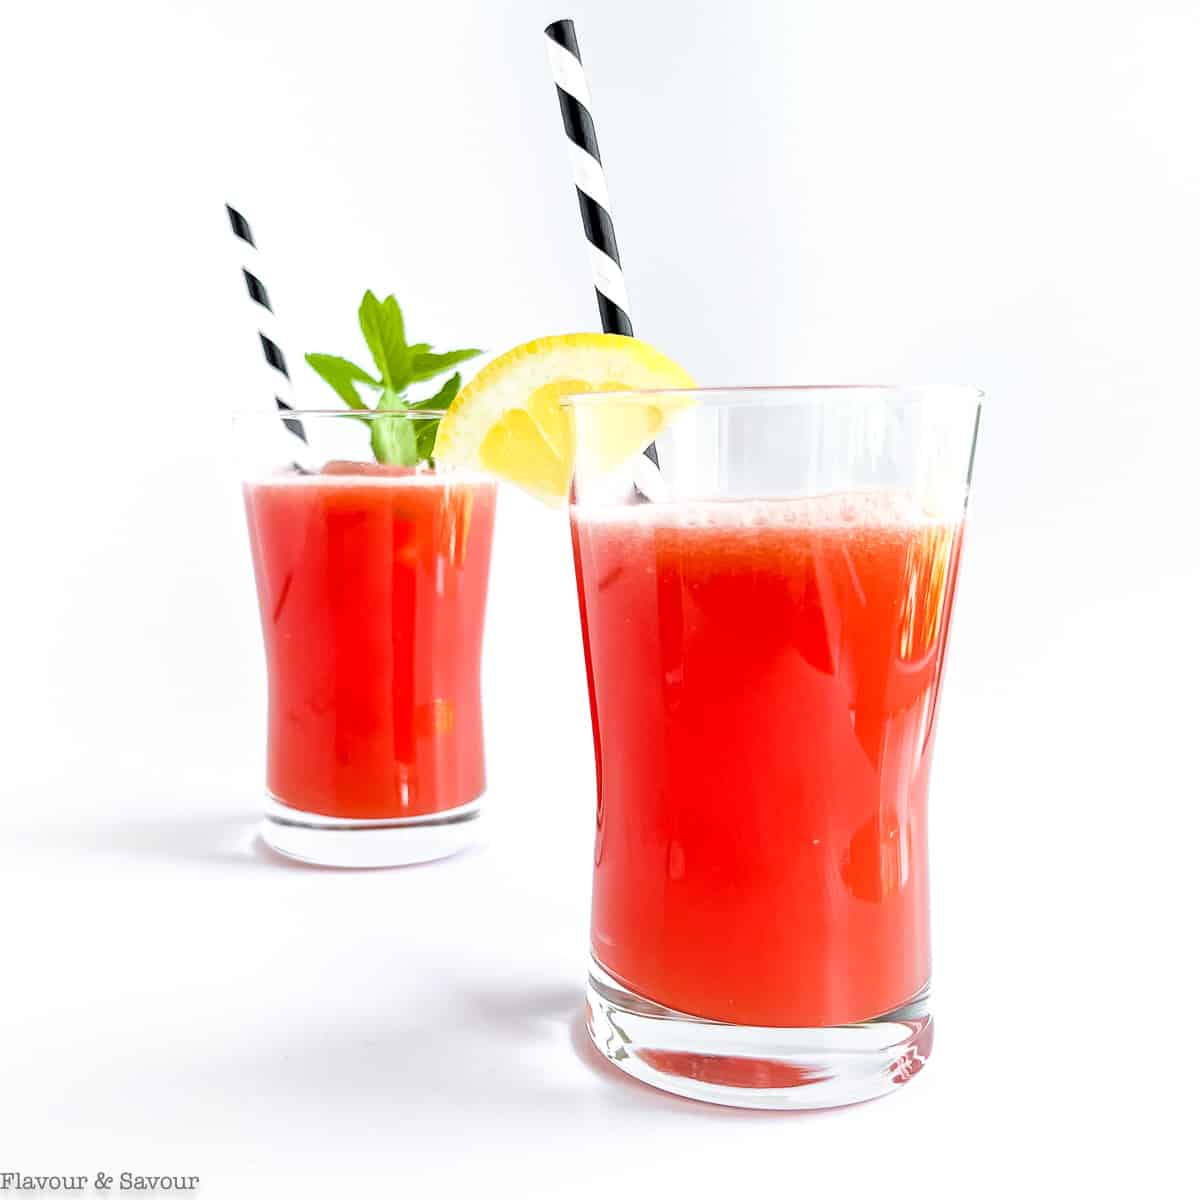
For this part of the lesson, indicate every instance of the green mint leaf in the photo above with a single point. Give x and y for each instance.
(382, 326)
(426, 435)
(341, 375)
(426, 431)
(393, 439)
(443, 396)
(406, 438)
(426, 366)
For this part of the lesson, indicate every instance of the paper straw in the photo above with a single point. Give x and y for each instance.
(269, 342)
(594, 207)
(575, 102)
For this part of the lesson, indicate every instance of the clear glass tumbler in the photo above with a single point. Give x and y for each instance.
(372, 584)
(765, 615)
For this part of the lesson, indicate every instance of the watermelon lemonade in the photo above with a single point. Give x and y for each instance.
(765, 605)
(372, 583)
(371, 561)
(760, 852)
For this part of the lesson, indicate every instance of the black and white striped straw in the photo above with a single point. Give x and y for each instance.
(268, 335)
(575, 103)
(590, 186)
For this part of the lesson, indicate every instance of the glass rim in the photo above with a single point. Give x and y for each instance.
(354, 414)
(785, 393)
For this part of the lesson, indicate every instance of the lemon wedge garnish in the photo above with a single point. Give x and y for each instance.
(509, 420)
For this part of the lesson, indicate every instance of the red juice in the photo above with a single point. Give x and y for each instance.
(372, 584)
(764, 679)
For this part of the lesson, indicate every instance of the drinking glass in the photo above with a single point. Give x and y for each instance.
(765, 614)
(372, 583)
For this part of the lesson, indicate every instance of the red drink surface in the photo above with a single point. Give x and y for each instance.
(372, 586)
(764, 679)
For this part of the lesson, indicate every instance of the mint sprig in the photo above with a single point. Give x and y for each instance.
(403, 441)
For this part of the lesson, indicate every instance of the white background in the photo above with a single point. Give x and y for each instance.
(1003, 194)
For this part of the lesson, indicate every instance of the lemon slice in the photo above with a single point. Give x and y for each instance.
(509, 420)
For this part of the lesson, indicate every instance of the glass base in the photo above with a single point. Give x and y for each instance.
(391, 842)
(752, 1066)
